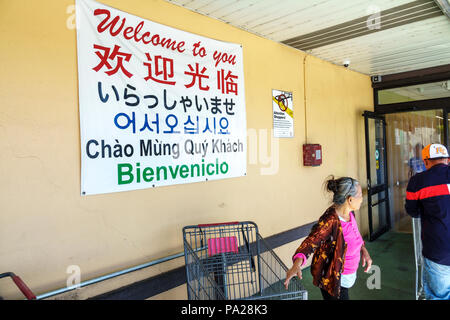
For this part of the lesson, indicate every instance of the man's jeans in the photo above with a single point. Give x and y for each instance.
(436, 280)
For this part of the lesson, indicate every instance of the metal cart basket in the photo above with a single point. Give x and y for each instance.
(231, 261)
(420, 295)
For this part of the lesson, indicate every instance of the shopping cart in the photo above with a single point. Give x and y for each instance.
(420, 295)
(231, 261)
(20, 284)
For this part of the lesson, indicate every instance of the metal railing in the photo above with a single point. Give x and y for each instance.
(111, 275)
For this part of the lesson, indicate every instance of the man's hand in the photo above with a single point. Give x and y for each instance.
(366, 259)
(296, 270)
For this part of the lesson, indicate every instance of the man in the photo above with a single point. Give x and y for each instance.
(428, 198)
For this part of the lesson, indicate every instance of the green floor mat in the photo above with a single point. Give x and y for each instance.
(393, 253)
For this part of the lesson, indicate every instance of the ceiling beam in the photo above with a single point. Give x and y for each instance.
(401, 79)
(398, 16)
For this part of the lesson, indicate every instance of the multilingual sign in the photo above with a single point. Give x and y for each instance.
(158, 106)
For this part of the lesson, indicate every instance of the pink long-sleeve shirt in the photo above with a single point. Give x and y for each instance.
(354, 243)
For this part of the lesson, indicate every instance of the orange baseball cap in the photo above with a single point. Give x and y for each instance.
(434, 151)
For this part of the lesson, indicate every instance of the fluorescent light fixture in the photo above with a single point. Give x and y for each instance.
(444, 5)
(441, 118)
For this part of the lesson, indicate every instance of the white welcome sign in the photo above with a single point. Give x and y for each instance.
(158, 106)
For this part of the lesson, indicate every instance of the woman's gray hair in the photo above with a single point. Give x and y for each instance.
(342, 188)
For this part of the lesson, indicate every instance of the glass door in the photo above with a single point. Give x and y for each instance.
(377, 185)
(407, 134)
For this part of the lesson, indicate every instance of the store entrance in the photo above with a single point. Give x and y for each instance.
(410, 111)
(406, 135)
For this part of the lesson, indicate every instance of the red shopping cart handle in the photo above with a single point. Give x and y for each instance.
(20, 284)
(217, 224)
(24, 288)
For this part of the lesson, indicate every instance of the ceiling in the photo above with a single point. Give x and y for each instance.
(377, 37)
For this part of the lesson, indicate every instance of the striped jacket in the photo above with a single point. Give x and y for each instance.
(428, 198)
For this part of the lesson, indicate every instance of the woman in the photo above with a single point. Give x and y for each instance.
(337, 243)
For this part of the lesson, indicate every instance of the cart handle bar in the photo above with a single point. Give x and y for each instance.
(20, 284)
(217, 224)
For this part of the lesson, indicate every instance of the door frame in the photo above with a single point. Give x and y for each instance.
(374, 234)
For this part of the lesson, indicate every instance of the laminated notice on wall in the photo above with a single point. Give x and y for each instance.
(158, 106)
(283, 114)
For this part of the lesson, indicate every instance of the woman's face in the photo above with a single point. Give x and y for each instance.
(355, 202)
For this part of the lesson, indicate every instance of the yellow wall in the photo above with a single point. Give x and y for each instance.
(46, 226)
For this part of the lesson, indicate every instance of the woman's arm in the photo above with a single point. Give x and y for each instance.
(321, 231)
(296, 270)
(365, 257)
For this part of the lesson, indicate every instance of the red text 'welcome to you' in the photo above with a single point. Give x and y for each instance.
(132, 33)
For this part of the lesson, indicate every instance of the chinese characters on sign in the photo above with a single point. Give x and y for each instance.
(158, 106)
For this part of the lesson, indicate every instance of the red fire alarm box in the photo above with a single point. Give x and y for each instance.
(312, 155)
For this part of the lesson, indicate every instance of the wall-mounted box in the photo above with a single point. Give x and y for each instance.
(312, 155)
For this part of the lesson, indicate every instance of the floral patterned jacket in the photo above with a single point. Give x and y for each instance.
(326, 240)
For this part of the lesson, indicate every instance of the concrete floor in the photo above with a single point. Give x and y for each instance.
(393, 253)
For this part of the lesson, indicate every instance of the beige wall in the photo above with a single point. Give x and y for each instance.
(46, 226)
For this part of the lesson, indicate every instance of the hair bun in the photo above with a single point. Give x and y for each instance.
(342, 188)
(332, 185)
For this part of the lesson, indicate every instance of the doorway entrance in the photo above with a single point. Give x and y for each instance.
(394, 143)
(411, 111)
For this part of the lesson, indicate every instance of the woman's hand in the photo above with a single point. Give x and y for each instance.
(296, 270)
(366, 259)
